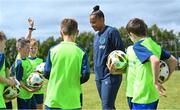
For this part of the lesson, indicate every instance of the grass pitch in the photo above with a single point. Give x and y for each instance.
(172, 101)
(92, 100)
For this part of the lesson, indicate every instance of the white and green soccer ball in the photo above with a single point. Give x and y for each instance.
(11, 92)
(40, 67)
(34, 80)
(118, 59)
(164, 71)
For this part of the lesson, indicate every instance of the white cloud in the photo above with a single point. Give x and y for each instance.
(49, 13)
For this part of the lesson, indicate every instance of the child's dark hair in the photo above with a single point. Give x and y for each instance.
(2, 36)
(69, 26)
(22, 42)
(137, 26)
(97, 12)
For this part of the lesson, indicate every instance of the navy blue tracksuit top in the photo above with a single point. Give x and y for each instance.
(104, 43)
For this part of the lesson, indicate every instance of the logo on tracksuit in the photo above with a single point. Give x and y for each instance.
(102, 42)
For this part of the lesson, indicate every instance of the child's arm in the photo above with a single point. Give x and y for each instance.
(30, 29)
(27, 88)
(47, 67)
(8, 74)
(155, 67)
(10, 82)
(172, 63)
(85, 69)
(4, 80)
(155, 70)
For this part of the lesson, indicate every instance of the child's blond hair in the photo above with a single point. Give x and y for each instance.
(2, 36)
(22, 42)
(33, 42)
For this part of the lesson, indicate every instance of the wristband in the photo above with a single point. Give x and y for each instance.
(32, 28)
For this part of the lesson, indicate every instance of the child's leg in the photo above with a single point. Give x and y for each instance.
(39, 100)
(49, 108)
(25, 103)
(22, 103)
(151, 106)
(81, 99)
(32, 102)
(9, 105)
(129, 102)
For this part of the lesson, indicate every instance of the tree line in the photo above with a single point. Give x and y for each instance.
(166, 38)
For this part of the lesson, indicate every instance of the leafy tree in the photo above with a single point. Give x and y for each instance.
(45, 46)
(85, 41)
(10, 51)
(125, 37)
(167, 39)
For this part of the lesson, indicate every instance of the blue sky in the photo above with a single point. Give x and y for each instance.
(48, 14)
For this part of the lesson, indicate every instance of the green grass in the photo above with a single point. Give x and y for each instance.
(172, 101)
(92, 100)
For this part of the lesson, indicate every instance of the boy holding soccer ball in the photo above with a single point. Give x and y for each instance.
(35, 61)
(144, 56)
(23, 69)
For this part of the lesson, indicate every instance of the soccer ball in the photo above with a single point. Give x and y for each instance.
(35, 80)
(11, 92)
(118, 59)
(40, 67)
(164, 71)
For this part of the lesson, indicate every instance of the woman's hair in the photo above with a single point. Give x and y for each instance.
(137, 26)
(97, 12)
(2, 36)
